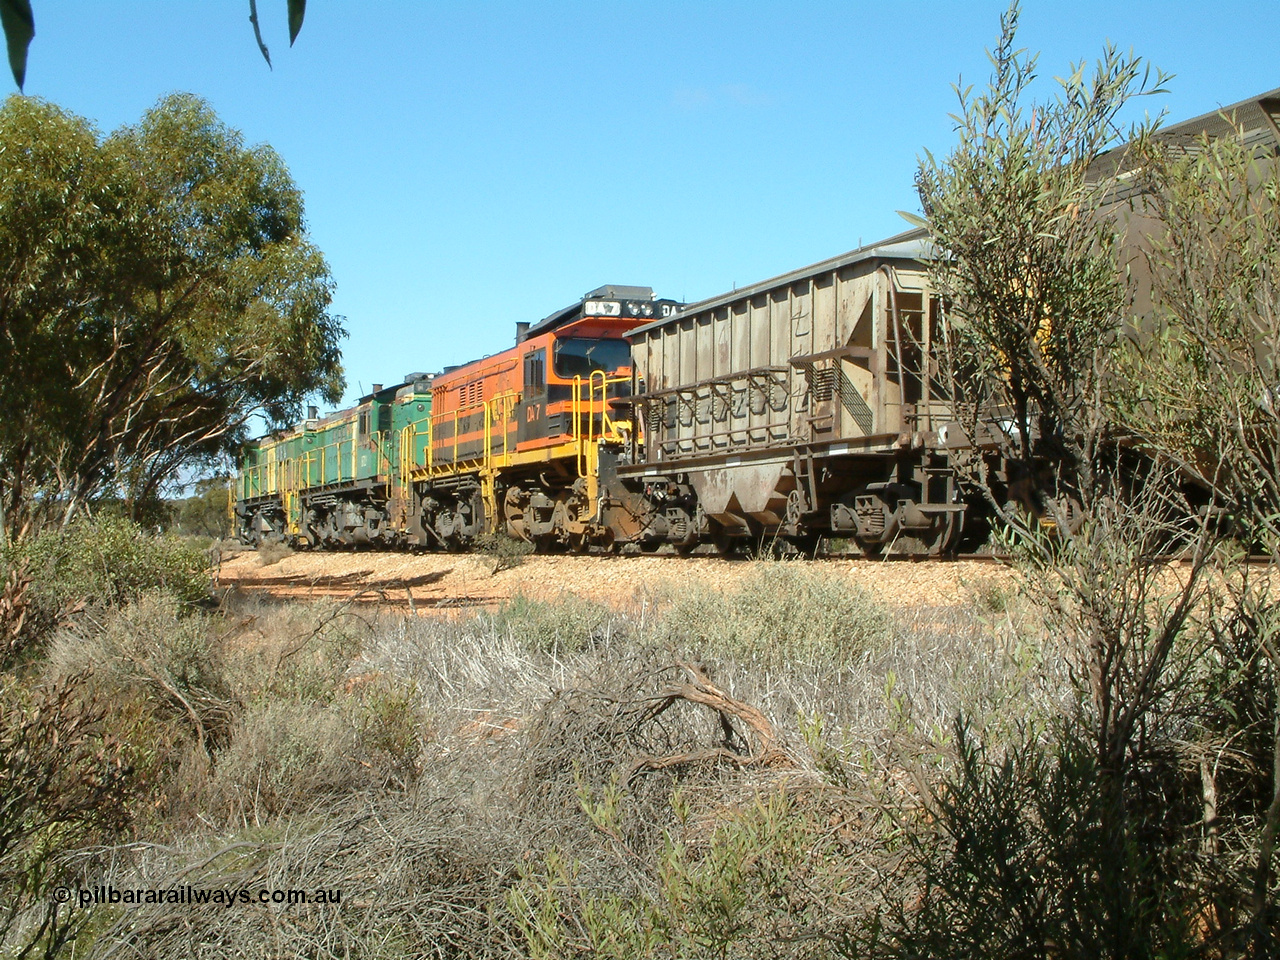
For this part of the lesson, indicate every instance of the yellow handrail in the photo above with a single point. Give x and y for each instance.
(498, 411)
(486, 453)
(485, 407)
(408, 434)
(583, 410)
(575, 420)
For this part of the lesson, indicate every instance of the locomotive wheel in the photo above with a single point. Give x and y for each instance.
(513, 512)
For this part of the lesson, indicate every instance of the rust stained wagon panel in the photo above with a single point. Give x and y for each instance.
(802, 358)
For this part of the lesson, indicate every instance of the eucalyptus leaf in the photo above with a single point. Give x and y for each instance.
(257, 31)
(297, 10)
(19, 28)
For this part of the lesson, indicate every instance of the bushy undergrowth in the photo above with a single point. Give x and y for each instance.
(564, 626)
(557, 779)
(284, 757)
(781, 612)
(97, 565)
(498, 551)
(273, 552)
(111, 561)
(1019, 859)
(64, 783)
(742, 886)
(159, 665)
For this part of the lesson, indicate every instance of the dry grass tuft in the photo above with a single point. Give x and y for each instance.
(284, 757)
(416, 876)
(781, 612)
(273, 552)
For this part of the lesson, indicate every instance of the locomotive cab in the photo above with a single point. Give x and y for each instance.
(587, 361)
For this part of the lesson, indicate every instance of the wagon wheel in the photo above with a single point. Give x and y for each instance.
(726, 546)
(871, 549)
(952, 534)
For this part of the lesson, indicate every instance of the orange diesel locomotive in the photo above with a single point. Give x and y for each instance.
(517, 441)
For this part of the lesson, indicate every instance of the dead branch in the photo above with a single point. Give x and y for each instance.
(699, 689)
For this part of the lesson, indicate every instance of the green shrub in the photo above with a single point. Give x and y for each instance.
(64, 782)
(162, 669)
(111, 561)
(152, 651)
(781, 611)
(499, 552)
(765, 881)
(567, 625)
(1018, 860)
(24, 620)
(389, 724)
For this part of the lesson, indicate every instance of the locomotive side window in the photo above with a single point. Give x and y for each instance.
(535, 371)
(576, 356)
(364, 423)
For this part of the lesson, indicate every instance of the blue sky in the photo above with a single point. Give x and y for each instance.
(470, 164)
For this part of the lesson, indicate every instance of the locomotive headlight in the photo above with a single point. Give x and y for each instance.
(602, 308)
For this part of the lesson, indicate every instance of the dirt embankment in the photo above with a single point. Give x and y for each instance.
(431, 582)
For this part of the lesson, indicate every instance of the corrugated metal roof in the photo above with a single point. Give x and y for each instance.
(911, 245)
(1258, 116)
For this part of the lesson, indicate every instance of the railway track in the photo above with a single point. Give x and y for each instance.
(438, 583)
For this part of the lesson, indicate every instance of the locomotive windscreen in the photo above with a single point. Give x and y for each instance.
(579, 357)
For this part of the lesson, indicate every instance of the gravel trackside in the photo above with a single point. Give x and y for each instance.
(434, 582)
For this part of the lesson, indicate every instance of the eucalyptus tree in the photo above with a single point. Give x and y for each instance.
(157, 289)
